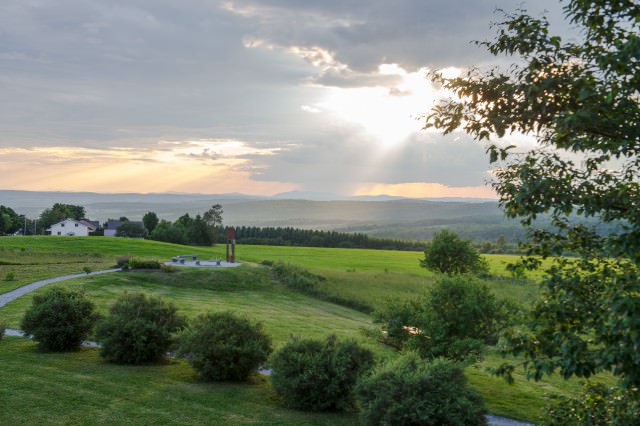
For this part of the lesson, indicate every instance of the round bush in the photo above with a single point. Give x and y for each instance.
(138, 329)
(59, 319)
(319, 376)
(411, 391)
(223, 346)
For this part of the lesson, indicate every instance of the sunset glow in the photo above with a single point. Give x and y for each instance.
(191, 166)
(426, 190)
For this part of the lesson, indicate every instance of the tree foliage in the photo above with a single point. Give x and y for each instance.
(138, 329)
(580, 100)
(224, 346)
(595, 405)
(411, 391)
(131, 230)
(185, 230)
(59, 319)
(454, 320)
(449, 254)
(10, 221)
(213, 219)
(289, 236)
(150, 221)
(59, 212)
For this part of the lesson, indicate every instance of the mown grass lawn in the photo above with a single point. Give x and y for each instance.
(81, 389)
(244, 290)
(369, 276)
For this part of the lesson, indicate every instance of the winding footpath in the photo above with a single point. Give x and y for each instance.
(21, 291)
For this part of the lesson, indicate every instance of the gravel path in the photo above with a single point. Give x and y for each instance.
(14, 294)
(21, 291)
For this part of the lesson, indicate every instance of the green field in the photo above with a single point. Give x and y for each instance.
(368, 276)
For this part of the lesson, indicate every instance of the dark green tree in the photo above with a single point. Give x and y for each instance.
(150, 220)
(449, 254)
(213, 216)
(168, 232)
(59, 212)
(579, 97)
(131, 230)
(10, 221)
(455, 319)
(213, 220)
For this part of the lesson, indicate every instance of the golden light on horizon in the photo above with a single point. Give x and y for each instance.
(426, 190)
(203, 166)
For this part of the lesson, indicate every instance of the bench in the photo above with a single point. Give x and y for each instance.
(183, 257)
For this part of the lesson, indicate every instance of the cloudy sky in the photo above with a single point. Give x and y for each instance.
(251, 96)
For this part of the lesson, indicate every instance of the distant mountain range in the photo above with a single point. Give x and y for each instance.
(386, 216)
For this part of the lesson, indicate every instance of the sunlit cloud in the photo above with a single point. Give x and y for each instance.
(389, 112)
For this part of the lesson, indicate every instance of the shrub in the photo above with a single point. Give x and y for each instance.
(138, 329)
(123, 261)
(87, 270)
(10, 276)
(135, 263)
(596, 405)
(59, 319)
(223, 346)
(303, 281)
(2, 329)
(411, 391)
(319, 376)
(297, 278)
(168, 268)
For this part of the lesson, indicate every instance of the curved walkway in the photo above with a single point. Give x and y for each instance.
(14, 294)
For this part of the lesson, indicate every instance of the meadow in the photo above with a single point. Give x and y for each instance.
(171, 391)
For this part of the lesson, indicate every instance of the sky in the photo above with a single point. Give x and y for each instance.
(252, 96)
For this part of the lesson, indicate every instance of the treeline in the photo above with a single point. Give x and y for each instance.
(288, 236)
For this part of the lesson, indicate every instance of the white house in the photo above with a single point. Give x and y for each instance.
(70, 227)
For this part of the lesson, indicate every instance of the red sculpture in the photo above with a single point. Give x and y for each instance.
(231, 240)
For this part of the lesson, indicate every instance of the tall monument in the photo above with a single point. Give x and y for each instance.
(231, 241)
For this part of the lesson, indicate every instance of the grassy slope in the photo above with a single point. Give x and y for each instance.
(243, 290)
(368, 275)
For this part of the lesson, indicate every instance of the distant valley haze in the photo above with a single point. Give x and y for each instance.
(383, 216)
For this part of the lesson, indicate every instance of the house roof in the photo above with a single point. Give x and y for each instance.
(90, 225)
